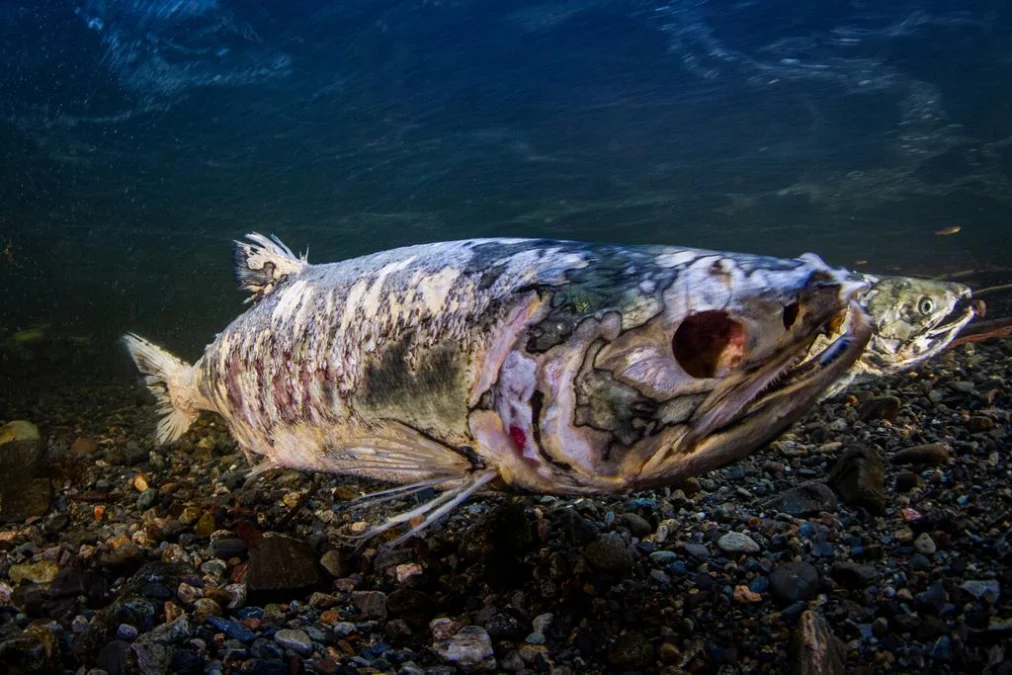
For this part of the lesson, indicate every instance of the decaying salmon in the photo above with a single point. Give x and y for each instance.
(914, 319)
(547, 366)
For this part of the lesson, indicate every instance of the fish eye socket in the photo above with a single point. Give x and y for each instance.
(925, 305)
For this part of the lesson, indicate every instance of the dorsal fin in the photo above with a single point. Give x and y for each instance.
(261, 266)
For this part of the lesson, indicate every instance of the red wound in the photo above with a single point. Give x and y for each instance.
(518, 436)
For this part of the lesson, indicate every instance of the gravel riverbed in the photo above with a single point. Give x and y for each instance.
(873, 537)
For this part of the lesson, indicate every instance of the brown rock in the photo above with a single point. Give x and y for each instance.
(979, 423)
(82, 447)
(281, 563)
(881, 408)
(859, 478)
(815, 651)
(931, 454)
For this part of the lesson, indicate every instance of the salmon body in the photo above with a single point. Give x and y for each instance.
(546, 366)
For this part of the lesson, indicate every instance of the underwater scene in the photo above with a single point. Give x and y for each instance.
(483, 336)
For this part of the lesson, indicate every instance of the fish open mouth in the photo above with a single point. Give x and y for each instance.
(964, 310)
(784, 389)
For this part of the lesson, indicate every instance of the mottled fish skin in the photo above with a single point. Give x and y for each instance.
(552, 366)
(915, 319)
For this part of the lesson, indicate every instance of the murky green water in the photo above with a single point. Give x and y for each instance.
(140, 138)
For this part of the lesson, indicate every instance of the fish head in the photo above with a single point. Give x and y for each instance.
(914, 320)
(687, 371)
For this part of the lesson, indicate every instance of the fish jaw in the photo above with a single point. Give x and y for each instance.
(705, 447)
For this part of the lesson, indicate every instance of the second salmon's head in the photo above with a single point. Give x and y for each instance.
(651, 365)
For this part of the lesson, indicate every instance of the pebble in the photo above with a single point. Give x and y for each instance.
(743, 595)
(808, 499)
(638, 525)
(470, 647)
(370, 604)
(126, 632)
(296, 640)
(816, 651)
(852, 575)
(792, 582)
(924, 544)
(609, 554)
(737, 542)
(41, 572)
(232, 629)
(542, 622)
(281, 563)
(880, 408)
(858, 476)
(663, 557)
(979, 424)
(697, 551)
(931, 454)
(188, 594)
(984, 590)
(906, 481)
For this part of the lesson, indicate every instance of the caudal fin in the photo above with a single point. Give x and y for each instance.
(172, 381)
(261, 266)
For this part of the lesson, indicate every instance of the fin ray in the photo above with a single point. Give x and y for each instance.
(433, 510)
(261, 266)
(171, 381)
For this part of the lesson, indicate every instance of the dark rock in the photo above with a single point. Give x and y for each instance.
(232, 629)
(983, 590)
(934, 598)
(792, 582)
(504, 533)
(858, 476)
(574, 528)
(906, 481)
(815, 650)
(881, 408)
(114, 658)
(282, 565)
(630, 650)
(637, 525)
(412, 605)
(852, 575)
(697, 551)
(505, 626)
(370, 604)
(808, 499)
(228, 547)
(931, 454)
(334, 563)
(979, 423)
(609, 554)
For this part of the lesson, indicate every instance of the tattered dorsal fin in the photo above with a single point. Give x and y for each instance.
(262, 265)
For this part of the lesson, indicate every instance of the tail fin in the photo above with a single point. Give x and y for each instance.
(261, 266)
(172, 382)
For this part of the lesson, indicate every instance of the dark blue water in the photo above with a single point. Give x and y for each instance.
(139, 137)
